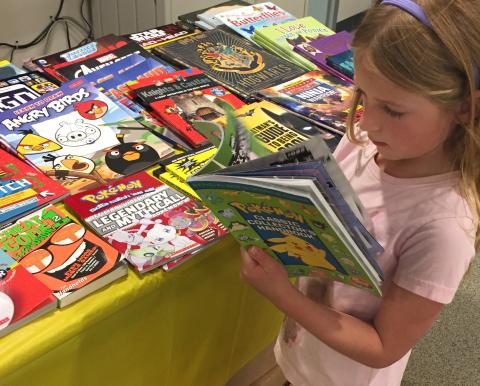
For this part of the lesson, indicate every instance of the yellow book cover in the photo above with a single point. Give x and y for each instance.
(189, 163)
(172, 180)
(266, 121)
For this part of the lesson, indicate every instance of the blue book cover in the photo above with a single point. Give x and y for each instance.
(79, 137)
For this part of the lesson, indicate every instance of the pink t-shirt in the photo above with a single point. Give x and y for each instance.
(427, 231)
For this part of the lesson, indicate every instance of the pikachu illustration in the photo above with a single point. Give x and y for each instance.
(296, 247)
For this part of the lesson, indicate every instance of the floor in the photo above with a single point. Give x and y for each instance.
(449, 355)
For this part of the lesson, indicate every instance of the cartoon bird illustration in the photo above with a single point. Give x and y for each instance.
(72, 167)
(91, 109)
(130, 157)
(34, 144)
(74, 163)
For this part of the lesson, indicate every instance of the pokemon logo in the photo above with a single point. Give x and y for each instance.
(258, 208)
(111, 191)
(57, 105)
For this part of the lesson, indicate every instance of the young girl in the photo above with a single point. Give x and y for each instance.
(415, 165)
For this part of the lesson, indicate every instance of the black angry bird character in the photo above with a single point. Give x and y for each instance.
(130, 157)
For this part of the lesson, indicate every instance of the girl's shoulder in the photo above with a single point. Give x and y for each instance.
(346, 148)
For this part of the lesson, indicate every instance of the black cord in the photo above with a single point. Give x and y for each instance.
(68, 35)
(39, 37)
(90, 30)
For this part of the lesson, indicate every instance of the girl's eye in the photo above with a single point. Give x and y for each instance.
(393, 113)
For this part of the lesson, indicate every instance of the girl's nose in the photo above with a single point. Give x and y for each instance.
(370, 120)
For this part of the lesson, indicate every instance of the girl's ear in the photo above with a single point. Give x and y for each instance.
(463, 113)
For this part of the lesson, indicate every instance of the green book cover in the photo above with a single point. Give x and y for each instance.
(287, 225)
(289, 34)
(280, 52)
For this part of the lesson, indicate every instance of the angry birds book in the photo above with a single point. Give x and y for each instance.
(147, 221)
(61, 253)
(79, 137)
(297, 205)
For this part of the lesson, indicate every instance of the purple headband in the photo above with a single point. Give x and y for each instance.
(416, 11)
(410, 7)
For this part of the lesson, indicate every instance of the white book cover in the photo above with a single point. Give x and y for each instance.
(246, 19)
(210, 16)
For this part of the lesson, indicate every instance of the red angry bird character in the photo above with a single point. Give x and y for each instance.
(91, 109)
(71, 258)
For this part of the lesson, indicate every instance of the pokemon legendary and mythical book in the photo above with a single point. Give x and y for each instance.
(78, 136)
(147, 221)
(230, 60)
(298, 206)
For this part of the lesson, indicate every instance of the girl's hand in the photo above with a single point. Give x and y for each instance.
(265, 274)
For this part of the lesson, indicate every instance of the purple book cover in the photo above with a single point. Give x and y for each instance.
(319, 49)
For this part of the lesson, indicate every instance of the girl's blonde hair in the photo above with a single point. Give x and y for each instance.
(440, 63)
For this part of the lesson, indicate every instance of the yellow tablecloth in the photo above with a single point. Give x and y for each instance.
(196, 325)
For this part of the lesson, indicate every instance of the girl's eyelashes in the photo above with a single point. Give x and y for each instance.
(393, 113)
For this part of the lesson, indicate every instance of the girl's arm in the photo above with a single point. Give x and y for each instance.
(401, 321)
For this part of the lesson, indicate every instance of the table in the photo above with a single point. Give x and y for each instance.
(196, 325)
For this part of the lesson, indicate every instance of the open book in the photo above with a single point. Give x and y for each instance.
(298, 206)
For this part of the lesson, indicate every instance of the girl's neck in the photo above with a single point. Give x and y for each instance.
(414, 167)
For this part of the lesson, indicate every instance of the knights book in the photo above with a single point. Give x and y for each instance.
(299, 207)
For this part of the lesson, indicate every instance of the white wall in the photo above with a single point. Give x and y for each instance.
(348, 8)
(23, 20)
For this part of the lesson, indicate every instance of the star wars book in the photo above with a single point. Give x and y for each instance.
(24, 189)
(100, 46)
(246, 20)
(320, 49)
(60, 252)
(146, 220)
(297, 206)
(23, 88)
(284, 37)
(155, 37)
(23, 298)
(317, 96)
(79, 137)
(232, 61)
(184, 96)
